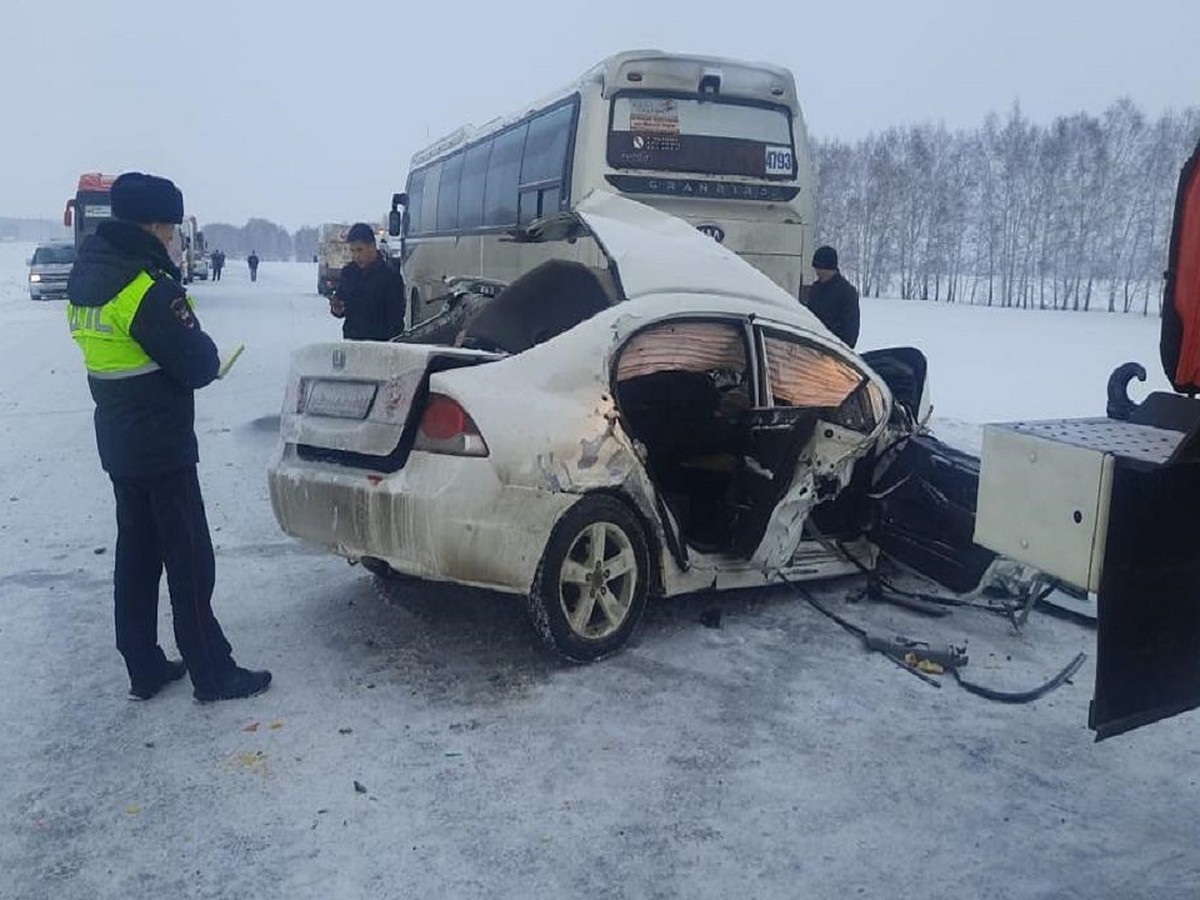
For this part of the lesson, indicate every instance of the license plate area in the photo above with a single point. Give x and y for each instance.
(338, 399)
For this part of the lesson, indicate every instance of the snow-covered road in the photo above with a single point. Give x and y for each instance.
(769, 757)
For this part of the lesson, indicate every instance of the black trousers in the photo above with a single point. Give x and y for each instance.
(161, 523)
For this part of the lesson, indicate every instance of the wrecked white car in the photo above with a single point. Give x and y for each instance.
(599, 435)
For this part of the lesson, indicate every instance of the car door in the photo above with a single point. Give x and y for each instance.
(819, 412)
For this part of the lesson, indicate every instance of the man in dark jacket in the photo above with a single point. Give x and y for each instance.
(252, 262)
(370, 292)
(145, 355)
(833, 299)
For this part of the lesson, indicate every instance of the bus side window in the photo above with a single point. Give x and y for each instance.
(416, 195)
(504, 172)
(429, 199)
(474, 176)
(543, 167)
(451, 182)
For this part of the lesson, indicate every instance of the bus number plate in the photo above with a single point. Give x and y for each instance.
(779, 161)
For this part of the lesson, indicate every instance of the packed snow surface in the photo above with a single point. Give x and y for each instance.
(416, 744)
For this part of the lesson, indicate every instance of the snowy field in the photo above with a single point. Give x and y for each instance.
(769, 757)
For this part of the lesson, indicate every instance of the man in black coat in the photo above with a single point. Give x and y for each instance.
(146, 355)
(370, 292)
(833, 299)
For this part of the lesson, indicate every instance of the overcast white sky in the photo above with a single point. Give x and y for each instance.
(304, 112)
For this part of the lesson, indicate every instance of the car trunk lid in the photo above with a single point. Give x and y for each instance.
(357, 402)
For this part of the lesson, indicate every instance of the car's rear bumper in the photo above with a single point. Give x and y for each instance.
(440, 517)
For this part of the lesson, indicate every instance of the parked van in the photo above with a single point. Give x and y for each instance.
(49, 269)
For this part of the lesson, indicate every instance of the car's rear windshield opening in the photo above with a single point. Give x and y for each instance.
(63, 255)
(543, 303)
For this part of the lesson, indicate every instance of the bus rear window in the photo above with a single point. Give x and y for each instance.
(711, 137)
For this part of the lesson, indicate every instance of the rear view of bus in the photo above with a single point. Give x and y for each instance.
(90, 206)
(719, 143)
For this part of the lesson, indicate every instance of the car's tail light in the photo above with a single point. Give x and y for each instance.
(447, 428)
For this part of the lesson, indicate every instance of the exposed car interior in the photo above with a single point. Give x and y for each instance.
(682, 388)
(543, 303)
(722, 446)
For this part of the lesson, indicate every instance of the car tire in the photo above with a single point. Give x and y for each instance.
(585, 602)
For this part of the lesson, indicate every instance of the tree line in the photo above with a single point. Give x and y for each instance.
(1071, 215)
(268, 240)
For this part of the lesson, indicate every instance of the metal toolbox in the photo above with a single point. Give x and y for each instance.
(1045, 490)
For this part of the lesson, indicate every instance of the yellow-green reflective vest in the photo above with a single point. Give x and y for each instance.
(102, 333)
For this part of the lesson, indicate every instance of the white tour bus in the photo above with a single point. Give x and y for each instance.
(719, 143)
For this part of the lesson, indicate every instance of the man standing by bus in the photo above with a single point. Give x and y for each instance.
(833, 299)
(146, 355)
(370, 292)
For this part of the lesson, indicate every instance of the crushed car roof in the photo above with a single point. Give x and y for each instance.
(682, 260)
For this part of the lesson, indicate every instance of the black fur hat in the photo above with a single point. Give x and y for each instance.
(825, 258)
(146, 199)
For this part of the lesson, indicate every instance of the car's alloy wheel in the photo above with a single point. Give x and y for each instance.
(591, 586)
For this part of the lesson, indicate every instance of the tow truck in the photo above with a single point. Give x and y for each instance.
(1111, 506)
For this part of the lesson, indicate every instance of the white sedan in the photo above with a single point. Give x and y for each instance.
(661, 424)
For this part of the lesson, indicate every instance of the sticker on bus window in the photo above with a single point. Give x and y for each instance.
(97, 211)
(779, 161)
(653, 115)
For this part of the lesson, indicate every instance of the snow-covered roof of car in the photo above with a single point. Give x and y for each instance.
(657, 253)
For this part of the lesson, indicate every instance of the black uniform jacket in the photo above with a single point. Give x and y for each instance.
(145, 424)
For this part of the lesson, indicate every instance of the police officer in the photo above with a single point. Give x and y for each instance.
(833, 299)
(145, 355)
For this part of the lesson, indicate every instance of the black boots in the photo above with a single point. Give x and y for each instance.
(233, 684)
(170, 670)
